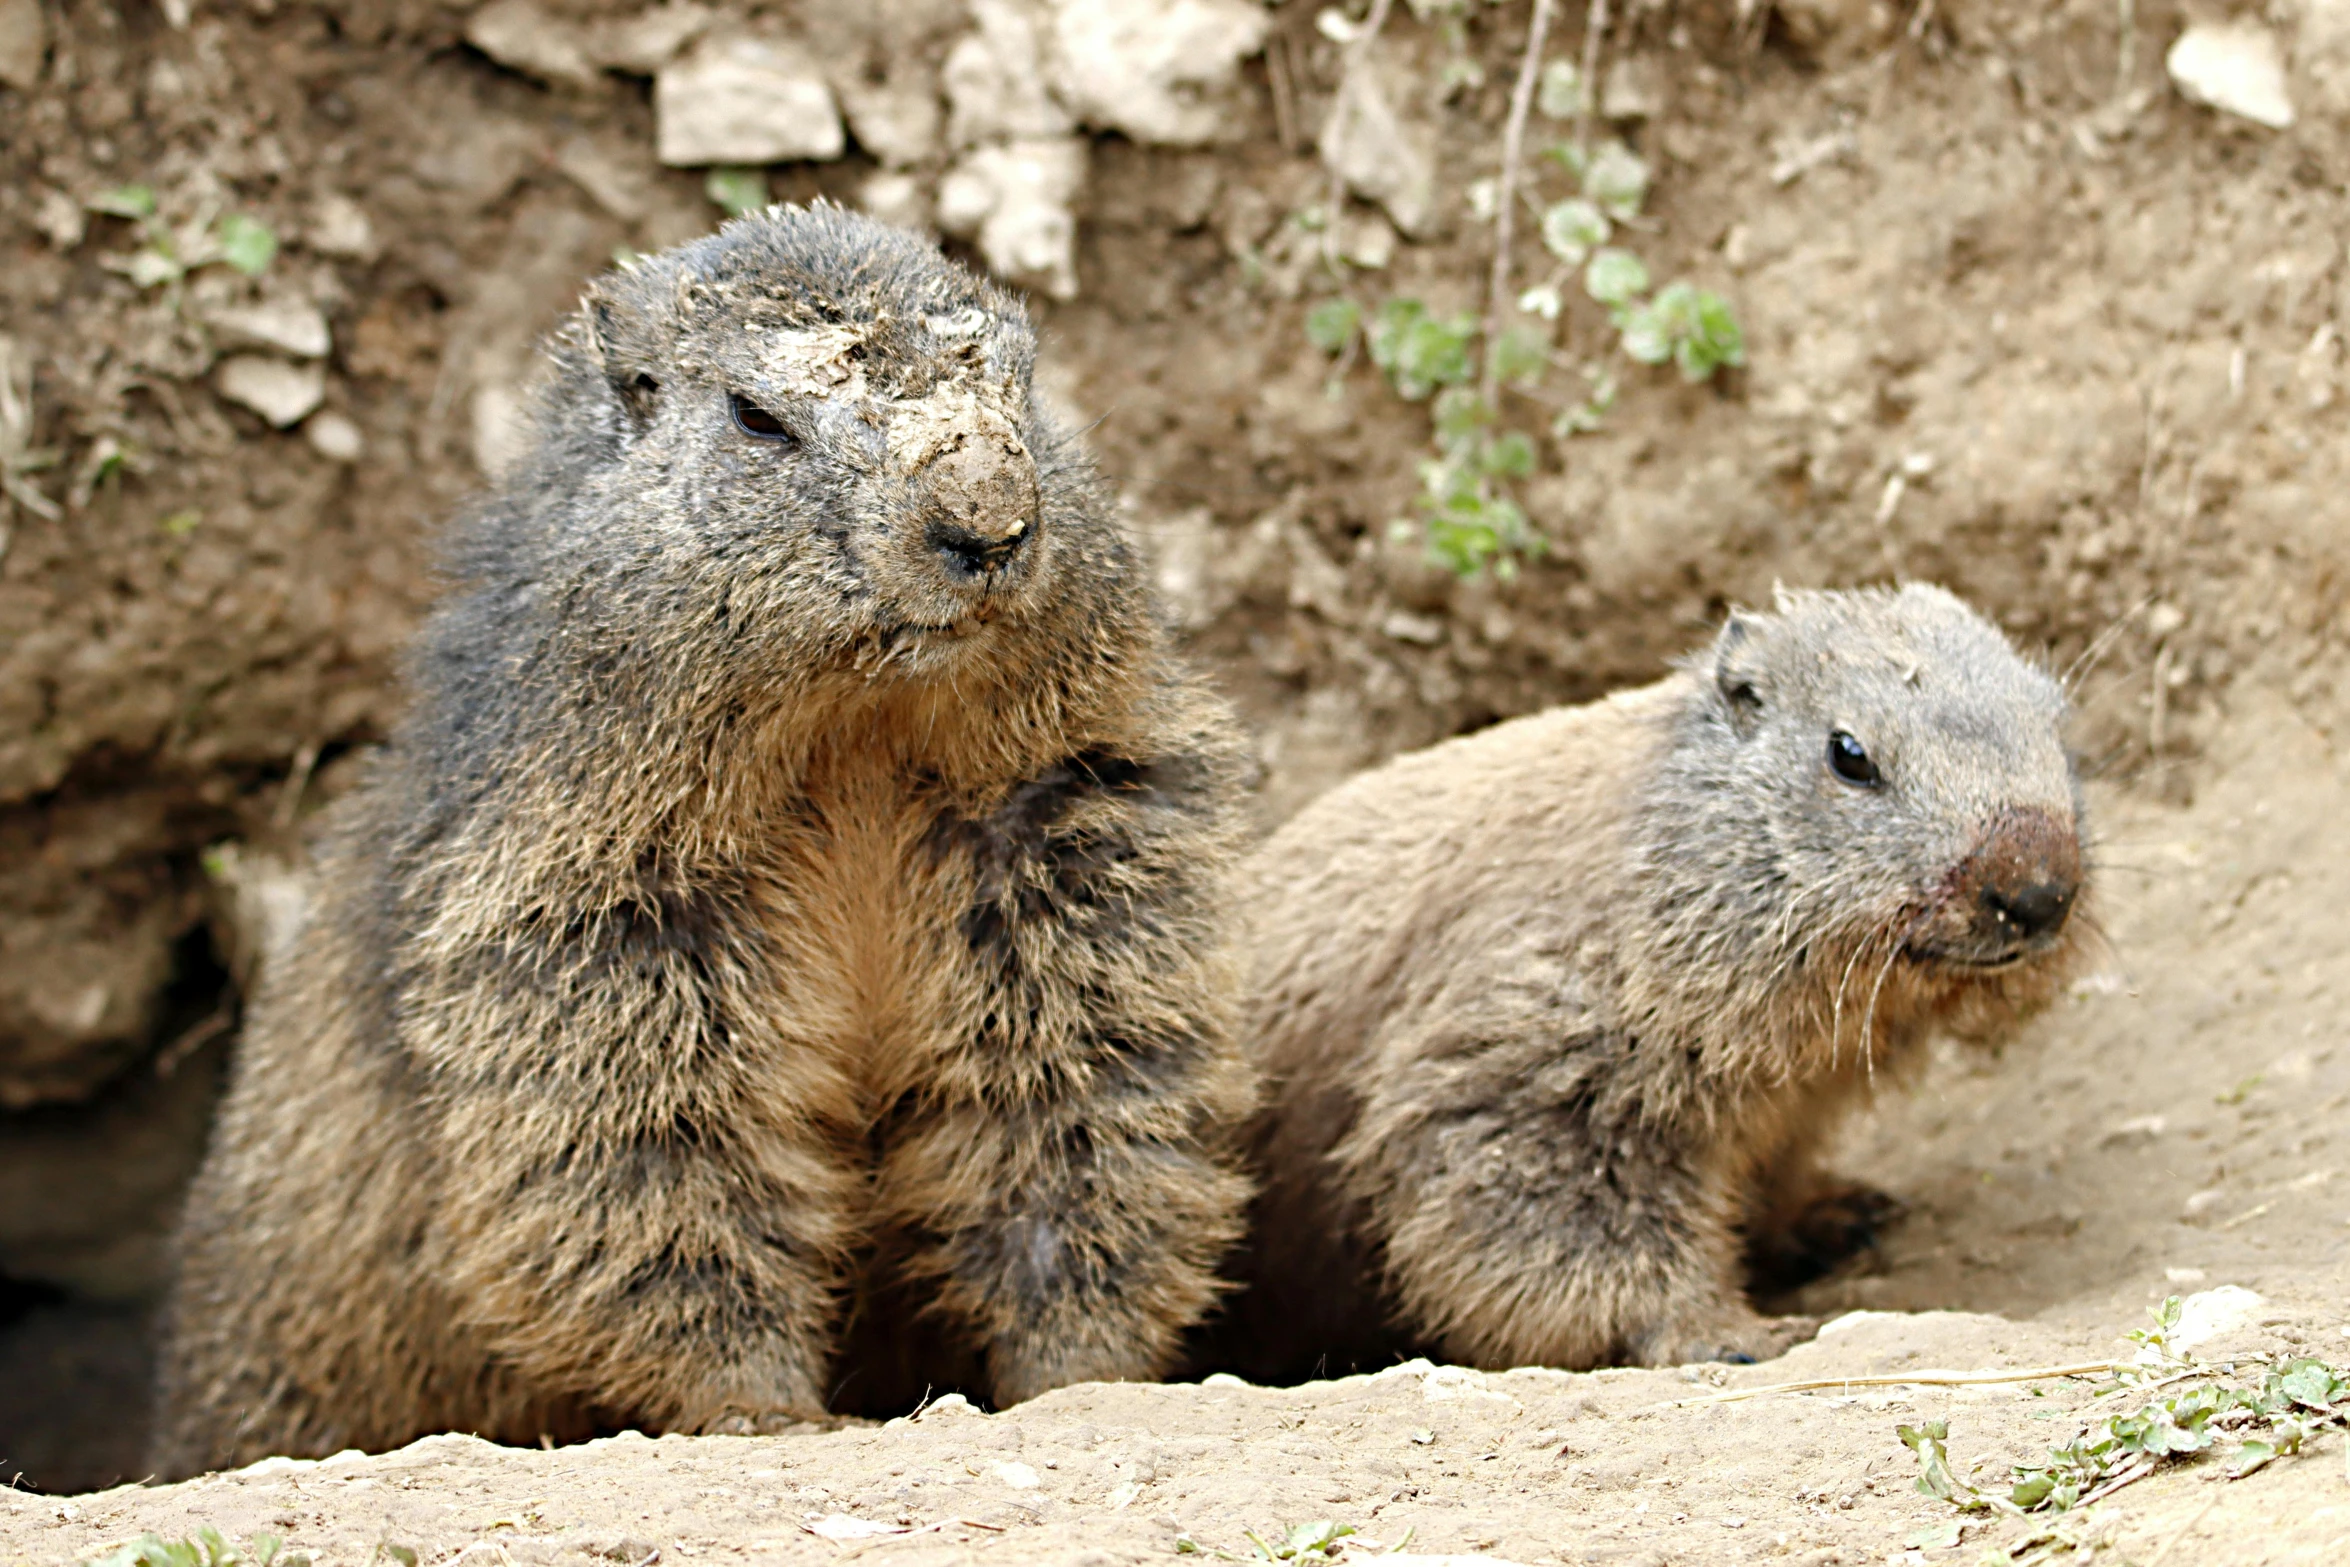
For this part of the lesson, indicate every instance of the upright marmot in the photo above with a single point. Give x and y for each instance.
(1554, 1017)
(791, 899)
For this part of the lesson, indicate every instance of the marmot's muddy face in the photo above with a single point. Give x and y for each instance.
(839, 422)
(1918, 793)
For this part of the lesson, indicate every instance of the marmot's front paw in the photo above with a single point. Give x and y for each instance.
(1732, 1334)
(778, 1422)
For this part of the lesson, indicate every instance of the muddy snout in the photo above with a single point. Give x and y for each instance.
(2013, 893)
(979, 503)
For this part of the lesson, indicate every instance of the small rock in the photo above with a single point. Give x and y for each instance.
(59, 218)
(648, 41)
(896, 199)
(24, 43)
(2207, 1314)
(896, 120)
(522, 36)
(2234, 66)
(281, 393)
(1404, 626)
(1812, 24)
(1015, 1474)
(844, 1526)
(745, 100)
(339, 227)
(1633, 89)
(334, 437)
(2321, 52)
(291, 326)
(994, 80)
(618, 186)
(1157, 70)
(1367, 239)
(1367, 144)
(1016, 201)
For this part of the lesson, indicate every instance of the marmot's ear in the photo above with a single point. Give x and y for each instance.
(617, 337)
(1738, 673)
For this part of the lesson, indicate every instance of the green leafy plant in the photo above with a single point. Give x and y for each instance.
(1560, 94)
(1330, 325)
(245, 244)
(208, 1547)
(1466, 512)
(1691, 327)
(167, 254)
(1305, 1542)
(1463, 512)
(1421, 351)
(1573, 229)
(2263, 1408)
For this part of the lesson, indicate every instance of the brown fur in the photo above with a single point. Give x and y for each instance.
(790, 910)
(1554, 1017)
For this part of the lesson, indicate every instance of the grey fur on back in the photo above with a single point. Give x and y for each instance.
(1555, 1017)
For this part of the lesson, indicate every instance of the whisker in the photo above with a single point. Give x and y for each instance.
(1836, 1018)
(1868, 1027)
(2096, 649)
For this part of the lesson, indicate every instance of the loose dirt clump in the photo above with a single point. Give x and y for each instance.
(2017, 317)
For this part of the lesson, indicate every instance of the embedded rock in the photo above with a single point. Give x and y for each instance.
(1157, 70)
(745, 100)
(1015, 201)
(281, 393)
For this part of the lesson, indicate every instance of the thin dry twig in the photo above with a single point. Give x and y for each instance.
(1284, 91)
(2086, 1368)
(2185, 1529)
(1595, 20)
(869, 1543)
(1513, 144)
(1358, 49)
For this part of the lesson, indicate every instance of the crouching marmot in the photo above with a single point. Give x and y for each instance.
(792, 898)
(1554, 1017)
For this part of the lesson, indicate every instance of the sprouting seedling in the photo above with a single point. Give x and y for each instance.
(1617, 180)
(735, 191)
(245, 243)
(1560, 95)
(1616, 278)
(169, 254)
(1690, 326)
(1331, 324)
(1305, 1542)
(207, 1547)
(1573, 229)
(1419, 350)
(1469, 522)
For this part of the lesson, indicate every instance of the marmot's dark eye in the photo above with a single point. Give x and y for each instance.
(1850, 761)
(757, 423)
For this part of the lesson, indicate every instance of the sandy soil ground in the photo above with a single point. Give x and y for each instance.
(2176, 1127)
(2059, 338)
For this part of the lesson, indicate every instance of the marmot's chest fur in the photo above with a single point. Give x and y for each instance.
(780, 951)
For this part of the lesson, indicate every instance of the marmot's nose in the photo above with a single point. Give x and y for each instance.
(2025, 876)
(983, 503)
(2032, 911)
